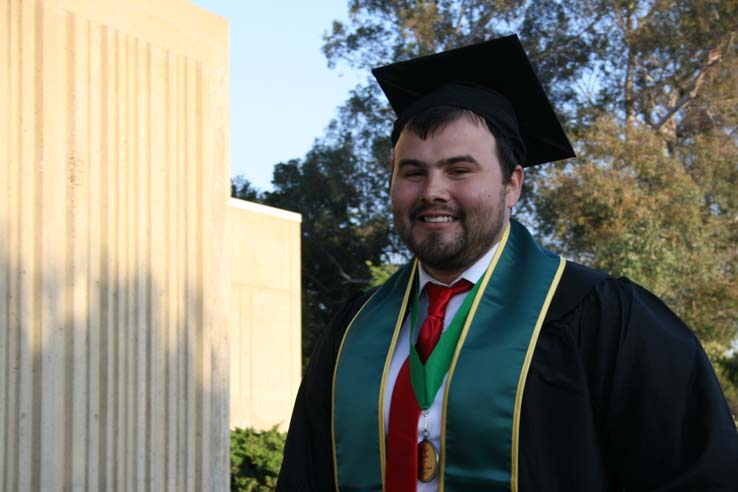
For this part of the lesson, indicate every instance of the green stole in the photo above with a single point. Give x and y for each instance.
(484, 388)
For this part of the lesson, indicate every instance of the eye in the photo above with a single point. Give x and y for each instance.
(458, 171)
(413, 173)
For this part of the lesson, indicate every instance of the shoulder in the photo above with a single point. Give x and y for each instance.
(576, 283)
(625, 341)
(591, 302)
(344, 315)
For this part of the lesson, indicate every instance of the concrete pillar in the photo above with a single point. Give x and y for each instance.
(113, 194)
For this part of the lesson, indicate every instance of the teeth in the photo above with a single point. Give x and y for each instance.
(438, 219)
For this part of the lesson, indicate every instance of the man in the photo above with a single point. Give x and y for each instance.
(489, 363)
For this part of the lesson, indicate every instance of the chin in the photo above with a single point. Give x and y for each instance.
(451, 258)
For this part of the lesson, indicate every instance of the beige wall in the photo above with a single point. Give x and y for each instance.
(264, 264)
(113, 185)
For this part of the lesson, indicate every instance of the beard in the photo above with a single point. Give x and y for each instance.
(480, 228)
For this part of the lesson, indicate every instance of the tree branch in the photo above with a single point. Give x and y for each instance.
(712, 59)
(348, 279)
(462, 8)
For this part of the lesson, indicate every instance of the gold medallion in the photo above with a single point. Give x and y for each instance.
(427, 461)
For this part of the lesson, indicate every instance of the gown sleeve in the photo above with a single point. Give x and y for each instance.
(307, 465)
(661, 415)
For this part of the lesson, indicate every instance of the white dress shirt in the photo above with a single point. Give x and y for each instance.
(402, 349)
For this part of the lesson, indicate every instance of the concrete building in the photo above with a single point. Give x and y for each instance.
(265, 337)
(114, 271)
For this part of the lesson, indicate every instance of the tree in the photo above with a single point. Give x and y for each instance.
(342, 228)
(628, 207)
(242, 189)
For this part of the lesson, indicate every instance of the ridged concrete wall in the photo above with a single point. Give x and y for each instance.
(265, 349)
(113, 185)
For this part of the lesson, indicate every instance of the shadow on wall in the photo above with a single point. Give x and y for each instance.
(106, 377)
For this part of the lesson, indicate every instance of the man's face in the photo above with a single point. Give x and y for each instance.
(449, 201)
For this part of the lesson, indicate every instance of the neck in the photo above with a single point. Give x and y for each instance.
(444, 276)
(448, 275)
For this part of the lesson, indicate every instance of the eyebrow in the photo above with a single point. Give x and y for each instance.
(445, 162)
(460, 158)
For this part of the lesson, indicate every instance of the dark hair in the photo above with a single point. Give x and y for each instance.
(437, 118)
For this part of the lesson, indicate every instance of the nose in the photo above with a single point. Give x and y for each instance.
(435, 189)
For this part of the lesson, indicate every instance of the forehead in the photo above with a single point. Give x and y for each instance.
(467, 134)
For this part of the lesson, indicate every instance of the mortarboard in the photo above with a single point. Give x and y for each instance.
(495, 80)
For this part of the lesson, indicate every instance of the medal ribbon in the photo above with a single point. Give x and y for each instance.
(426, 378)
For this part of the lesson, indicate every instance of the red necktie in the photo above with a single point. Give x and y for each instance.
(402, 435)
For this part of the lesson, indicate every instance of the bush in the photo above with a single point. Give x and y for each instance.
(255, 459)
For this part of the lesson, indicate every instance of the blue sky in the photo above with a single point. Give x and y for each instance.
(282, 93)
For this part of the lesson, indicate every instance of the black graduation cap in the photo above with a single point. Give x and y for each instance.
(493, 79)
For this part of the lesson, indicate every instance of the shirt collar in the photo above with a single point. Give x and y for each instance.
(472, 274)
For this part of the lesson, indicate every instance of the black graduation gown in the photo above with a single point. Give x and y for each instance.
(620, 396)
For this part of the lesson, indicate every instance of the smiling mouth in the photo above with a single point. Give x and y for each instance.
(436, 220)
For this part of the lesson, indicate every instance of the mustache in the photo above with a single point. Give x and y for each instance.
(424, 209)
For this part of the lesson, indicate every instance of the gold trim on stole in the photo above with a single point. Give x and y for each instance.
(524, 375)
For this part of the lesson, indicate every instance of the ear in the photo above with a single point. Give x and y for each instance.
(514, 187)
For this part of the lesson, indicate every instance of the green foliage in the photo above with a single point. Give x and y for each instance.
(343, 226)
(381, 273)
(629, 208)
(243, 189)
(727, 370)
(729, 364)
(256, 457)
